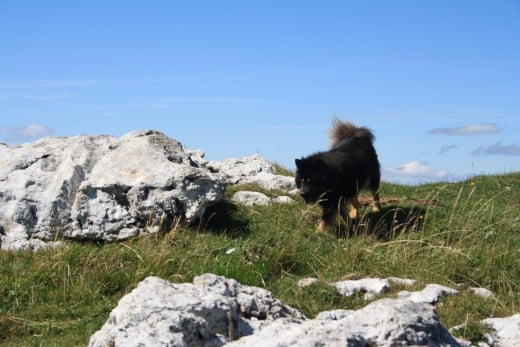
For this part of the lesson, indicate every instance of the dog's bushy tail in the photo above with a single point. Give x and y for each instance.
(344, 130)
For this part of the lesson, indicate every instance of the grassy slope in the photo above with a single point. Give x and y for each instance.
(464, 234)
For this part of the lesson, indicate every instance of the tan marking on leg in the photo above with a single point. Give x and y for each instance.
(354, 205)
(376, 204)
(321, 227)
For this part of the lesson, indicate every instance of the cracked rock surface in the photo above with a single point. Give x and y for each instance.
(108, 189)
(99, 188)
(217, 311)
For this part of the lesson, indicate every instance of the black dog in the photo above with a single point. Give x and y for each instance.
(334, 178)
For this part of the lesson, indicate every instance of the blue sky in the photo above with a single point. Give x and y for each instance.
(438, 82)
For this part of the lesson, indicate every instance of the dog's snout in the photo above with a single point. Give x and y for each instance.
(306, 196)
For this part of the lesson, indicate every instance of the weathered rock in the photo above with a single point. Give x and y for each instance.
(283, 200)
(146, 179)
(99, 187)
(214, 311)
(210, 312)
(105, 188)
(252, 169)
(248, 198)
(305, 282)
(482, 292)
(506, 331)
(387, 322)
(38, 184)
(402, 281)
(431, 294)
(369, 287)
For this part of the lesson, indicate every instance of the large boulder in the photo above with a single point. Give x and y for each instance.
(210, 312)
(216, 311)
(100, 188)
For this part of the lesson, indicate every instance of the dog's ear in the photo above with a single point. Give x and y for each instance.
(298, 163)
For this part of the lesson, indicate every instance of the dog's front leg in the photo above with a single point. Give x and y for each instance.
(327, 218)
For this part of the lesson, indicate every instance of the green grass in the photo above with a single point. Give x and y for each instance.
(461, 235)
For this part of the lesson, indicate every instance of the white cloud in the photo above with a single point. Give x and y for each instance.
(27, 133)
(471, 129)
(414, 172)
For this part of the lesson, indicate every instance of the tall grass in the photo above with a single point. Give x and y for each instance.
(461, 235)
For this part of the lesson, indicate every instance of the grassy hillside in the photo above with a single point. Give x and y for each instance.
(461, 235)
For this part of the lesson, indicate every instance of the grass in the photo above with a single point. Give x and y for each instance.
(461, 235)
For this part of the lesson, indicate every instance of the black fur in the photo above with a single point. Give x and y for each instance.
(334, 178)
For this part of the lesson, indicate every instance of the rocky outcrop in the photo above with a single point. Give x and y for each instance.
(216, 311)
(109, 189)
(211, 311)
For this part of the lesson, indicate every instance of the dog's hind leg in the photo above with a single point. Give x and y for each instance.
(376, 204)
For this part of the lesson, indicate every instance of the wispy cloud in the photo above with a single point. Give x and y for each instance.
(35, 97)
(26, 133)
(140, 106)
(80, 83)
(471, 129)
(498, 149)
(446, 148)
(213, 100)
(39, 84)
(164, 104)
(414, 172)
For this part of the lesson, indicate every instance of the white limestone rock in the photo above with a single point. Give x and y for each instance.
(248, 198)
(506, 331)
(252, 169)
(387, 322)
(216, 311)
(99, 187)
(210, 312)
(369, 287)
(431, 294)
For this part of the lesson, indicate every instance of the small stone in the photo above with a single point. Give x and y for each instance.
(482, 292)
(248, 198)
(305, 282)
(431, 294)
(369, 287)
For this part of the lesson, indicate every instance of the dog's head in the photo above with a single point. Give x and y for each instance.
(311, 178)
